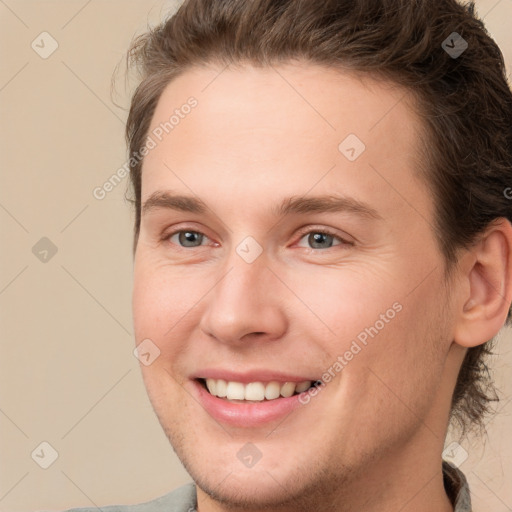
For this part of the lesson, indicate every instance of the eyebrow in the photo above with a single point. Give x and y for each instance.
(290, 205)
(326, 203)
(167, 200)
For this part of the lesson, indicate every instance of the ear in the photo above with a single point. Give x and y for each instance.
(487, 286)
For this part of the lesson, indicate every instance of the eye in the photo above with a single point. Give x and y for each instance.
(187, 238)
(320, 240)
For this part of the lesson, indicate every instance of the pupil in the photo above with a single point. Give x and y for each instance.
(190, 238)
(320, 240)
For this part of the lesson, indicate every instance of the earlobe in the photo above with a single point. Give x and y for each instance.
(485, 306)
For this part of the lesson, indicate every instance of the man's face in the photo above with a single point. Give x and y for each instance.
(273, 284)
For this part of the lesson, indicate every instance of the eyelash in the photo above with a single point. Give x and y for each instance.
(302, 234)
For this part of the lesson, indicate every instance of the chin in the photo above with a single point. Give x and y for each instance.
(248, 489)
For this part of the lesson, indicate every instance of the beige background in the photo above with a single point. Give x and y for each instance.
(67, 372)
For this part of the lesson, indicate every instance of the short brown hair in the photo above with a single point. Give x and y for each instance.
(465, 102)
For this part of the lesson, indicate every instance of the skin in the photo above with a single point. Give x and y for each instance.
(372, 438)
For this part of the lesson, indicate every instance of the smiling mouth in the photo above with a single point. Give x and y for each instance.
(238, 392)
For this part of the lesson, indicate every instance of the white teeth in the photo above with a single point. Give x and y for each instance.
(302, 386)
(288, 389)
(210, 384)
(272, 390)
(221, 388)
(235, 391)
(255, 391)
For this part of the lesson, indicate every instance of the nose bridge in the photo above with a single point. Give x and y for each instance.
(243, 283)
(243, 301)
(246, 264)
(242, 291)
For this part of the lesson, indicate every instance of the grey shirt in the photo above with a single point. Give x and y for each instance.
(184, 498)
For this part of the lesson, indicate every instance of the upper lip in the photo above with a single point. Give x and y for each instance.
(255, 375)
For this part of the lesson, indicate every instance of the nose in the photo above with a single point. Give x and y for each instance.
(246, 304)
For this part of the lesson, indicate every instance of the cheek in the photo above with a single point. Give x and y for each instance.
(161, 300)
(345, 300)
(162, 307)
(400, 364)
(375, 323)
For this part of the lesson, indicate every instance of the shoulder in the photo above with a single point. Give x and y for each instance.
(182, 499)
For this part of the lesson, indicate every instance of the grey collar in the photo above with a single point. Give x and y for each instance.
(457, 488)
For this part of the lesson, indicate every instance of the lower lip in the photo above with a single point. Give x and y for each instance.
(251, 414)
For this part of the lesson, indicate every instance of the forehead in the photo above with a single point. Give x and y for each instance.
(265, 125)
